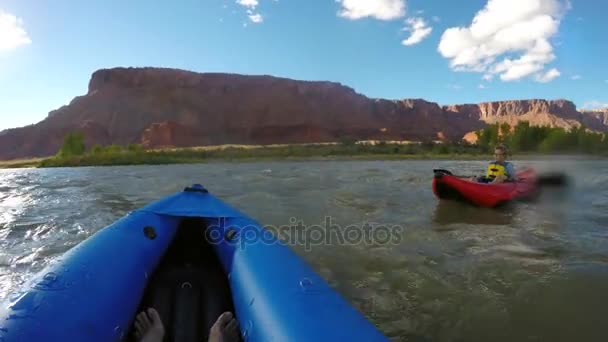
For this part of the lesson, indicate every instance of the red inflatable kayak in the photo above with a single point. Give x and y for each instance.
(448, 186)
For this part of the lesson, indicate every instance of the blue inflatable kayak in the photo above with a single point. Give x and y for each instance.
(191, 257)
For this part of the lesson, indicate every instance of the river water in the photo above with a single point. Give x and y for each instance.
(535, 271)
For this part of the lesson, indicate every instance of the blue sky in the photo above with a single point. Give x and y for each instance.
(444, 51)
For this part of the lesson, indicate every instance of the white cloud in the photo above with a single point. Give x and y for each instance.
(481, 86)
(418, 29)
(547, 76)
(455, 86)
(256, 18)
(595, 105)
(378, 9)
(12, 33)
(576, 77)
(508, 38)
(436, 19)
(252, 4)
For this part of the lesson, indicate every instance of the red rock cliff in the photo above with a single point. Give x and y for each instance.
(596, 119)
(167, 107)
(558, 113)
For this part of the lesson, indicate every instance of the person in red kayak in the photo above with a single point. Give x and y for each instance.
(499, 170)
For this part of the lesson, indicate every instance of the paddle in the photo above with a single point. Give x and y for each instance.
(553, 179)
(544, 179)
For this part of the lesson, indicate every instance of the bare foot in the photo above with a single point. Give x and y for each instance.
(148, 326)
(225, 329)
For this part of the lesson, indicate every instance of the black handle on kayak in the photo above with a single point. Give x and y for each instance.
(441, 172)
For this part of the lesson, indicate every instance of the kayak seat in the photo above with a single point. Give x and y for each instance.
(189, 288)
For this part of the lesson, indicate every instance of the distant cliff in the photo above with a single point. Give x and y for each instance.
(596, 119)
(168, 107)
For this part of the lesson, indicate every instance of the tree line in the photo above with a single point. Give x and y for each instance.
(526, 138)
(74, 146)
(520, 138)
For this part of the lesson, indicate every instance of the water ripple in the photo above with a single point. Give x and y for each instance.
(457, 273)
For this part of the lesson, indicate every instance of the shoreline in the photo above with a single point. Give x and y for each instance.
(20, 163)
(77, 162)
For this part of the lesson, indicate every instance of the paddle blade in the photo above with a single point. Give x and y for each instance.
(553, 179)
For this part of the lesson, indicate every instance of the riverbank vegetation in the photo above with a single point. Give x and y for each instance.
(20, 163)
(72, 154)
(546, 140)
(522, 139)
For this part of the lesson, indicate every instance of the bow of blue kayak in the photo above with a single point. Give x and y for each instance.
(192, 257)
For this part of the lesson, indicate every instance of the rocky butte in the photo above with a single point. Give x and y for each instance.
(176, 108)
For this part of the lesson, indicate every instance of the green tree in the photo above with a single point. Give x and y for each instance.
(347, 140)
(441, 148)
(556, 141)
(488, 137)
(135, 148)
(588, 142)
(505, 133)
(73, 145)
(604, 145)
(113, 149)
(97, 149)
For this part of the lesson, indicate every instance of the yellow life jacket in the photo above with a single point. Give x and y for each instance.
(495, 170)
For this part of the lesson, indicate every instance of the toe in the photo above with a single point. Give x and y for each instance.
(138, 329)
(138, 317)
(224, 319)
(145, 320)
(154, 316)
(138, 323)
(232, 325)
(232, 331)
